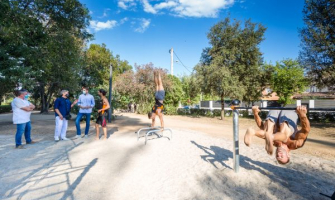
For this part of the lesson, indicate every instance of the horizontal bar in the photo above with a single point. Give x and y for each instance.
(280, 108)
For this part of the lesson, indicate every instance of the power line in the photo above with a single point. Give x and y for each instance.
(181, 61)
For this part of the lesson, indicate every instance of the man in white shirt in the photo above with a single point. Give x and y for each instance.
(86, 103)
(21, 117)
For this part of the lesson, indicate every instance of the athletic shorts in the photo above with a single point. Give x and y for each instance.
(291, 118)
(102, 120)
(155, 107)
(160, 95)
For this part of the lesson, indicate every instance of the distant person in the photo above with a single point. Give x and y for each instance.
(86, 103)
(132, 108)
(135, 107)
(62, 107)
(102, 117)
(129, 107)
(159, 100)
(21, 117)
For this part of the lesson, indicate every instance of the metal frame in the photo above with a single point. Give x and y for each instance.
(153, 130)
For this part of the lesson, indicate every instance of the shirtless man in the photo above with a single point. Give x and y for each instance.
(159, 98)
(280, 129)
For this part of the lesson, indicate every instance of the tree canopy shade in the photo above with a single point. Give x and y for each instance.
(287, 79)
(231, 66)
(41, 45)
(318, 42)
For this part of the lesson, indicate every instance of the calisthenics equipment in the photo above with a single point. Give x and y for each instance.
(235, 108)
(152, 130)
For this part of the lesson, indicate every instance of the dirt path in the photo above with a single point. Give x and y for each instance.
(197, 163)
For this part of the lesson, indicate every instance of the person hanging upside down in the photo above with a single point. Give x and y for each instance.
(280, 130)
(159, 99)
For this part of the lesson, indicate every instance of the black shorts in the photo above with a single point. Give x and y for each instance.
(102, 120)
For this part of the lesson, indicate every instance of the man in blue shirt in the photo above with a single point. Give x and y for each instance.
(62, 107)
(86, 103)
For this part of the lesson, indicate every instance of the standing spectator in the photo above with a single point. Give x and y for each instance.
(62, 107)
(135, 107)
(85, 103)
(102, 117)
(132, 107)
(129, 107)
(21, 117)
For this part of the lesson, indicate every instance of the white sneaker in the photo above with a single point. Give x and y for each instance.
(86, 136)
(65, 138)
(76, 137)
(56, 139)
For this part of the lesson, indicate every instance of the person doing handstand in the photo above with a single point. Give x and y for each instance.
(280, 130)
(159, 100)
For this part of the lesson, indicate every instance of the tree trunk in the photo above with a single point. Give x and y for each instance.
(222, 106)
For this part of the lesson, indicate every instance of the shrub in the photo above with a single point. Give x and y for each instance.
(5, 108)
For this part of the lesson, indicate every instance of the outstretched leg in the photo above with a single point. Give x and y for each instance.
(250, 133)
(160, 83)
(156, 80)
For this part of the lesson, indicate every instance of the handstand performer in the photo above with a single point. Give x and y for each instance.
(159, 98)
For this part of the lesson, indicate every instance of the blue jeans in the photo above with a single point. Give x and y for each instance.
(88, 119)
(20, 129)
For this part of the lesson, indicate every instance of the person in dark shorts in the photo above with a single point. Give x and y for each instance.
(159, 100)
(102, 114)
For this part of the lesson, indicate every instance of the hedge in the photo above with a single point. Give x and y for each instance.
(5, 108)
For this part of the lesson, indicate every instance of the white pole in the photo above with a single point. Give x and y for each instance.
(171, 51)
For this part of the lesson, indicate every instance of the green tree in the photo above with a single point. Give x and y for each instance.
(318, 38)
(139, 86)
(44, 41)
(287, 79)
(231, 66)
(98, 58)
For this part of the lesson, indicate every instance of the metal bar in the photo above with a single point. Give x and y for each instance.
(280, 108)
(147, 128)
(152, 131)
(236, 142)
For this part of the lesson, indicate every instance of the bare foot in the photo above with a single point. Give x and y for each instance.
(247, 137)
(97, 138)
(269, 142)
(105, 138)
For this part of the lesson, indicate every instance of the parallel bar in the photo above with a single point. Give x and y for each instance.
(280, 108)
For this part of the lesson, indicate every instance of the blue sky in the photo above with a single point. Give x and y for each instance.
(143, 31)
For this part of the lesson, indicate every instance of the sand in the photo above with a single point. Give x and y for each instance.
(196, 163)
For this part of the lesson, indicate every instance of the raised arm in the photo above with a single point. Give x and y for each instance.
(258, 119)
(300, 137)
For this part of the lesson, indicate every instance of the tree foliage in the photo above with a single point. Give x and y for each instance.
(287, 79)
(230, 68)
(318, 38)
(140, 87)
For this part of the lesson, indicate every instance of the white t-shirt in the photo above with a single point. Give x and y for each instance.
(20, 116)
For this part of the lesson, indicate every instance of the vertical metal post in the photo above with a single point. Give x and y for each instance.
(110, 93)
(236, 142)
(171, 52)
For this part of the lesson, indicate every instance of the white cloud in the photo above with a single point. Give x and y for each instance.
(98, 26)
(126, 4)
(187, 8)
(143, 25)
(122, 5)
(122, 21)
(105, 14)
(148, 8)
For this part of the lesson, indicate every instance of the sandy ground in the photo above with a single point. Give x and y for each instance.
(196, 163)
